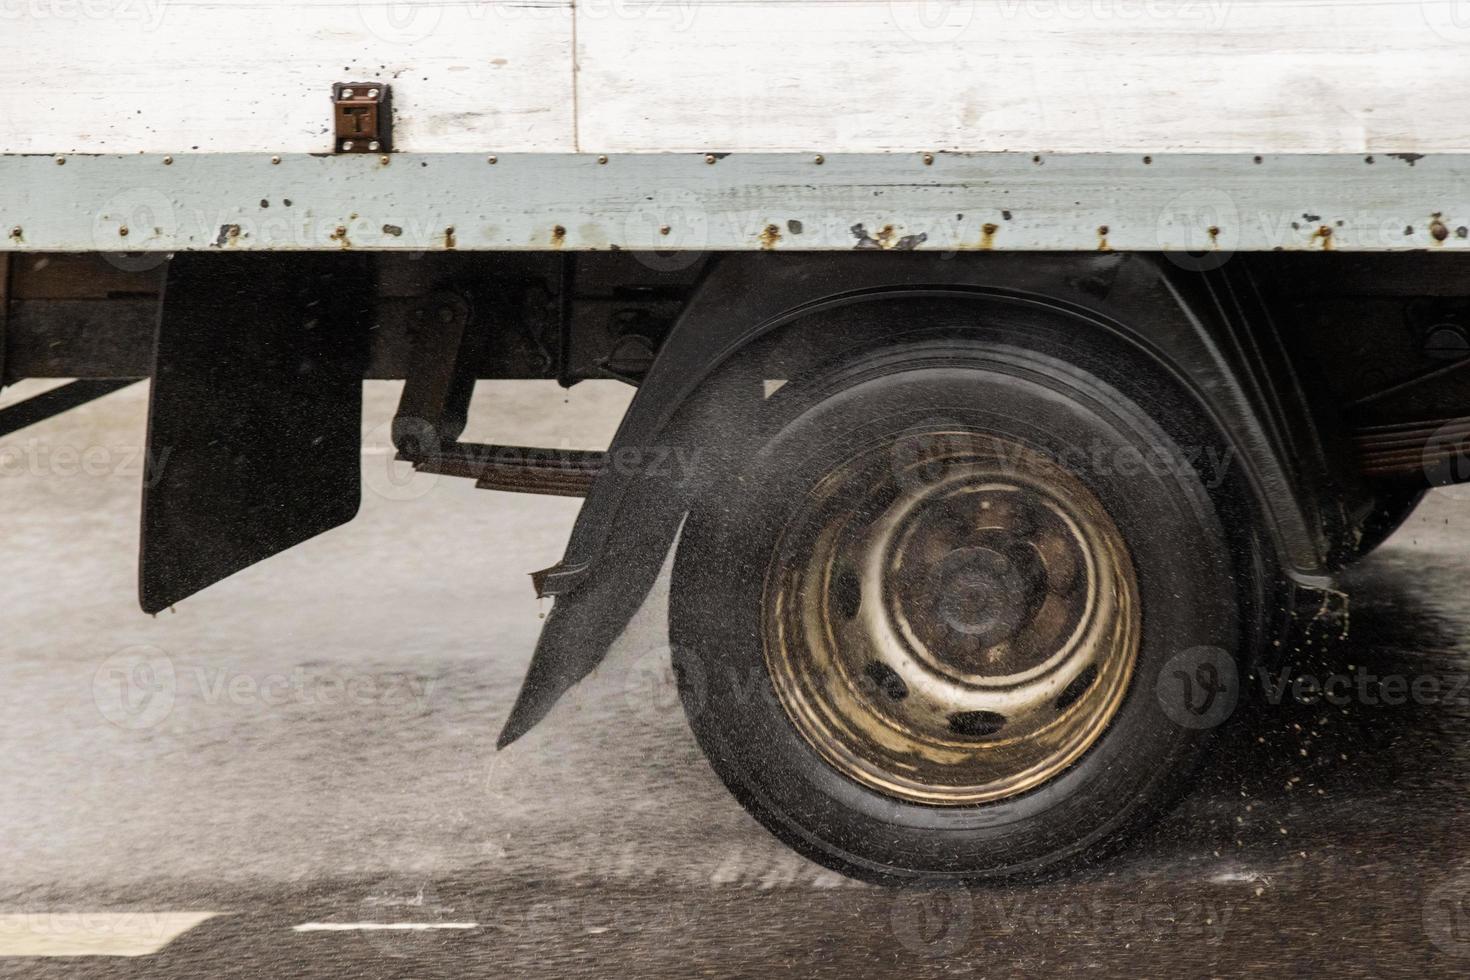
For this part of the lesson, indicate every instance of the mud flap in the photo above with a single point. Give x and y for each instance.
(254, 418)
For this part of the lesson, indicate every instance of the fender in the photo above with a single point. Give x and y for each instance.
(1191, 323)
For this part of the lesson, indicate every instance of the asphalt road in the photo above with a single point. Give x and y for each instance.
(246, 782)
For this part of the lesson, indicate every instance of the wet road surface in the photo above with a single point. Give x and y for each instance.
(311, 744)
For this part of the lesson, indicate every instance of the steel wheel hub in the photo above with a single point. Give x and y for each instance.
(950, 619)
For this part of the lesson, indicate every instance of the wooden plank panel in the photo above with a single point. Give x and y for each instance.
(1267, 76)
(176, 76)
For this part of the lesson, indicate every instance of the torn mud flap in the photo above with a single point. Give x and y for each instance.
(1320, 612)
(584, 623)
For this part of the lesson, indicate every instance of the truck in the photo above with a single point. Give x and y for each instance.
(1013, 377)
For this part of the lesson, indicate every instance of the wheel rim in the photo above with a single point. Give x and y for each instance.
(950, 618)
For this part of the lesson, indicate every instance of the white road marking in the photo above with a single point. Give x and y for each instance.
(93, 933)
(369, 926)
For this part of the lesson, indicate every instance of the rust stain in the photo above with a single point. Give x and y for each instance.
(1214, 231)
(770, 235)
(987, 235)
(17, 234)
(558, 236)
(590, 235)
(449, 238)
(339, 235)
(1102, 239)
(865, 242)
(228, 235)
(1437, 228)
(887, 239)
(1324, 232)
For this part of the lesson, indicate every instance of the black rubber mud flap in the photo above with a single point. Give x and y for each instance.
(254, 420)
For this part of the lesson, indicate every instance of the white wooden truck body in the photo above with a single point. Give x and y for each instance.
(1142, 117)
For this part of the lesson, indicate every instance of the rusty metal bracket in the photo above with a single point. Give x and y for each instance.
(434, 408)
(362, 117)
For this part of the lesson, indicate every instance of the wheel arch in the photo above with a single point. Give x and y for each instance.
(676, 436)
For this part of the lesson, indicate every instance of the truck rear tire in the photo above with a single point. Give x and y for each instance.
(945, 621)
